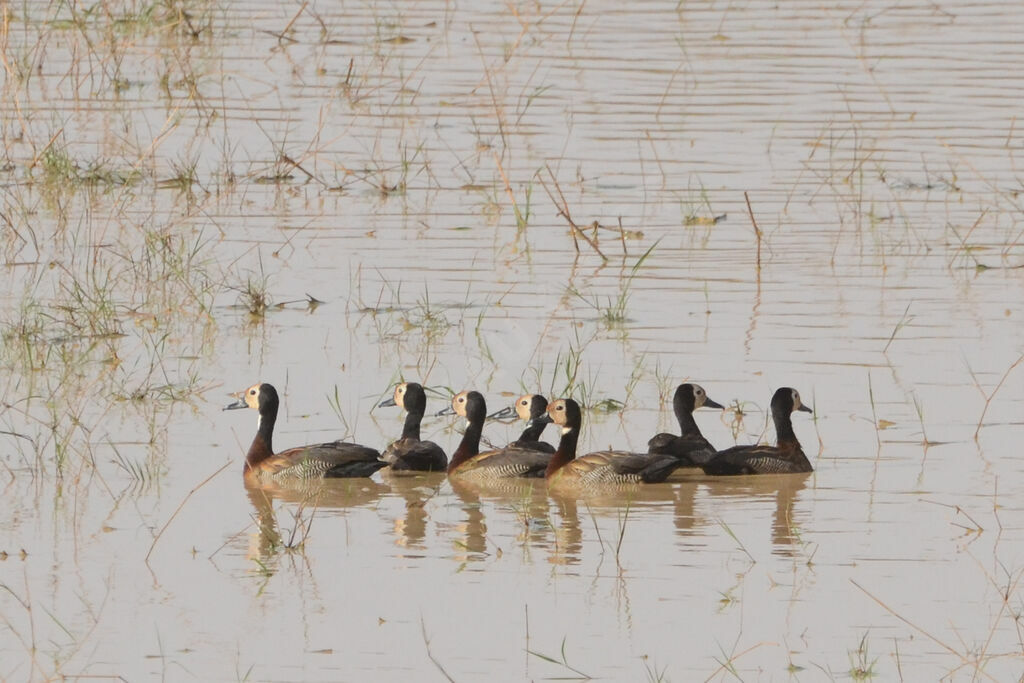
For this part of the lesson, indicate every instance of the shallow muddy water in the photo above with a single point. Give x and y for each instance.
(334, 196)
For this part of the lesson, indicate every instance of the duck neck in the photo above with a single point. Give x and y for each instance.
(784, 430)
(533, 431)
(469, 446)
(687, 425)
(262, 446)
(411, 430)
(566, 452)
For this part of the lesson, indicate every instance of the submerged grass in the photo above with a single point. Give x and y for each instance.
(862, 666)
(614, 311)
(563, 661)
(102, 320)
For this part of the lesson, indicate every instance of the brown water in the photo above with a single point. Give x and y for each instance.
(374, 156)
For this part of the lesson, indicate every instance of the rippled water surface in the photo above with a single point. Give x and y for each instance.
(592, 199)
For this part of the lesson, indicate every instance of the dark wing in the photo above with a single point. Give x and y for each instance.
(335, 459)
(661, 443)
(757, 460)
(507, 462)
(693, 450)
(413, 455)
(619, 467)
(350, 459)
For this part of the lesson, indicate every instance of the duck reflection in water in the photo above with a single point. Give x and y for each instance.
(750, 494)
(473, 530)
(568, 548)
(416, 489)
(524, 499)
(300, 505)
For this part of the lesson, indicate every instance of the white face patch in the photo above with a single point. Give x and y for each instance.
(566, 430)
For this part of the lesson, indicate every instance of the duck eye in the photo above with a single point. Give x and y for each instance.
(252, 392)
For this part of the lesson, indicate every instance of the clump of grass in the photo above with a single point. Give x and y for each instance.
(392, 178)
(61, 170)
(65, 348)
(697, 210)
(862, 667)
(158, 16)
(254, 296)
(569, 380)
(156, 380)
(57, 164)
(24, 336)
(99, 172)
(183, 176)
(616, 309)
(178, 268)
(427, 317)
(736, 411)
(142, 473)
(88, 306)
(568, 364)
(612, 311)
(607, 405)
(727, 599)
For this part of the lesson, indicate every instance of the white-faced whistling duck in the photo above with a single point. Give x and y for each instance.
(690, 446)
(602, 467)
(409, 453)
(324, 460)
(786, 457)
(467, 460)
(533, 408)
